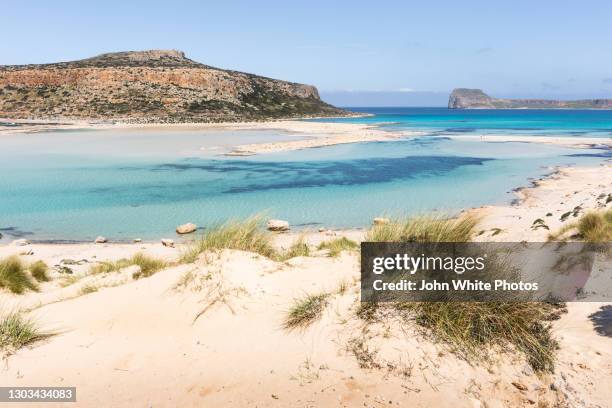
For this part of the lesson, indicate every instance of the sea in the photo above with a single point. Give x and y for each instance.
(73, 185)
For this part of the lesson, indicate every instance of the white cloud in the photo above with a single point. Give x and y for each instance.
(406, 90)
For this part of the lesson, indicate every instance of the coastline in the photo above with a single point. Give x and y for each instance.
(560, 191)
(219, 321)
(311, 134)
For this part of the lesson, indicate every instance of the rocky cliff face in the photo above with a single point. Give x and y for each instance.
(462, 98)
(150, 86)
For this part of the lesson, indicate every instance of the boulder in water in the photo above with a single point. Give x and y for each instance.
(186, 228)
(278, 225)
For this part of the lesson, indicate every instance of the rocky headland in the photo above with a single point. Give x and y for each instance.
(463, 98)
(156, 86)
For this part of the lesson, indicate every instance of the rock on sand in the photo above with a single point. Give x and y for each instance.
(167, 242)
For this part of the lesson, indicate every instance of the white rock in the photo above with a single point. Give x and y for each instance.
(380, 221)
(278, 225)
(100, 240)
(167, 242)
(21, 242)
(321, 229)
(137, 240)
(186, 228)
(27, 251)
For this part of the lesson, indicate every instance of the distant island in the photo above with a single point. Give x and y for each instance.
(149, 87)
(463, 98)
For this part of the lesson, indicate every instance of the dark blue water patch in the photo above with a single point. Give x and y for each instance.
(460, 130)
(246, 176)
(363, 171)
(604, 154)
(15, 232)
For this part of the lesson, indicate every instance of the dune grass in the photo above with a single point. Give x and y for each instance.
(87, 289)
(108, 266)
(16, 331)
(425, 229)
(336, 246)
(246, 235)
(39, 271)
(148, 265)
(471, 329)
(594, 226)
(298, 248)
(305, 311)
(14, 275)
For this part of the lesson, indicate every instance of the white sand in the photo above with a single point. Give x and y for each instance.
(562, 192)
(136, 343)
(313, 134)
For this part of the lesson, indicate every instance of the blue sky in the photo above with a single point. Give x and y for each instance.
(378, 53)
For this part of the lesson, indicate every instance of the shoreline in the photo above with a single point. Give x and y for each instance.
(560, 190)
(312, 134)
(220, 322)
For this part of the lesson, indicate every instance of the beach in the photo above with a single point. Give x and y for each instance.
(211, 332)
(309, 134)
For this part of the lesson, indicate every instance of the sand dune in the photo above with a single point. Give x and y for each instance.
(211, 333)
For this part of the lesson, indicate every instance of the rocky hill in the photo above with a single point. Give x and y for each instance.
(462, 98)
(150, 86)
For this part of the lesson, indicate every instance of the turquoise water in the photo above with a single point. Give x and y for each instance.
(126, 184)
(586, 123)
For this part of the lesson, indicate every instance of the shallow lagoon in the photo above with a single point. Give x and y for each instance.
(125, 184)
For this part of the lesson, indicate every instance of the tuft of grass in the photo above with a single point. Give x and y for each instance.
(246, 235)
(470, 326)
(298, 248)
(86, 289)
(336, 246)
(471, 329)
(108, 267)
(17, 331)
(68, 280)
(305, 311)
(594, 226)
(425, 229)
(13, 276)
(148, 265)
(39, 270)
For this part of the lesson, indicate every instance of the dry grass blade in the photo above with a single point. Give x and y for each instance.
(305, 311)
(17, 331)
(425, 229)
(14, 277)
(245, 235)
(336, 246)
